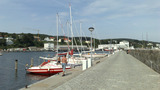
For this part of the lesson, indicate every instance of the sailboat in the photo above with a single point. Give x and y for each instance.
(73, 59)
(94, 55)
(51, 66)
(87, 54)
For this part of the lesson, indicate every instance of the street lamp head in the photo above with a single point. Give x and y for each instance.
(91, 29)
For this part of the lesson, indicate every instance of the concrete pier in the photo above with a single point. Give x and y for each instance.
(120, 71)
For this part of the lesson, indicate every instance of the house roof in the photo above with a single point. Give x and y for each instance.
(51, 37)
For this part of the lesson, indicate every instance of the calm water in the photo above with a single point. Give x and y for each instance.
(9, 79)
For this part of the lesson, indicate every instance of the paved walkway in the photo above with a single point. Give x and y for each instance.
(118, 72)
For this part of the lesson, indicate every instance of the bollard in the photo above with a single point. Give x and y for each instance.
(31, 62)
(16, 67)
(16, 64)
(84, 64)
(89, 62)
(26, 86)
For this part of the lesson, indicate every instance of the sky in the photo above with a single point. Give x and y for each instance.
(135, 19)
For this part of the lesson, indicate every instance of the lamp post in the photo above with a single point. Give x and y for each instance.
(91, 29)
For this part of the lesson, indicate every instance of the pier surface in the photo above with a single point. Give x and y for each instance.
(120, 71)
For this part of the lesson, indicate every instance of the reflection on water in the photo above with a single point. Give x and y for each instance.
(34, 77)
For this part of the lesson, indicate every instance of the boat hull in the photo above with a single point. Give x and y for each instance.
(45, 71)
(94, 55)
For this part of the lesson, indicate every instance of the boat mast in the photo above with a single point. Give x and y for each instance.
(68, 31)
(81, 35)
(71, 24)
(57, 31)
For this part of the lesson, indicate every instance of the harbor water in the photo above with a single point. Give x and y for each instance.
(10, 79)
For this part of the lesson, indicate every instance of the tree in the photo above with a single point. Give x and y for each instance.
(3, 42)
(27, 40)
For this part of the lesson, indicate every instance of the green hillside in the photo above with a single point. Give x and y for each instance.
(27, 39)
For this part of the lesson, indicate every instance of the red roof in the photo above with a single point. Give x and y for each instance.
(65, 38)
(51, 37)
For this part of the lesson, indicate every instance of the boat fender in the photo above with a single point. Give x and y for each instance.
(48, 69)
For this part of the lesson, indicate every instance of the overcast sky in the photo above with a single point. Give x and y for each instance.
(133, 19)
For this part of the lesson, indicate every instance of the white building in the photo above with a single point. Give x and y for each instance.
(123, 44)
(49, 46)
(150, 44)
(75, 47)
(107, 46)
(49, 39)
(88, 42)
(9, 41)
(158, 45)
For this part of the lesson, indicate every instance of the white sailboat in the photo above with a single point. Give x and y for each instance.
(49, 67)
(73, 59)
(94, 55)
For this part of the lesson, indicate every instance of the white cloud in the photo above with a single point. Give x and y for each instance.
(100, 6)
(33, 15)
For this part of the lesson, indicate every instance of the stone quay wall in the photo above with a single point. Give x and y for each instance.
(149, 57)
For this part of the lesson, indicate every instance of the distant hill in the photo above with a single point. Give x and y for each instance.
(133, 42)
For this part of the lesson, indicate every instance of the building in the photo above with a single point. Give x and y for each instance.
(46, 39)
(49, 39)
(32, 48)
(108, 46)
(48, 46)
(122, 45)
(75, 47)
(9, 41)
(158, 45)
(88, 42)
(60, 40)
(150, 44)
(67, 40)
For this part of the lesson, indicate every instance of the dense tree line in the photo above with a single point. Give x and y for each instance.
(19, 41)
(26, 40)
